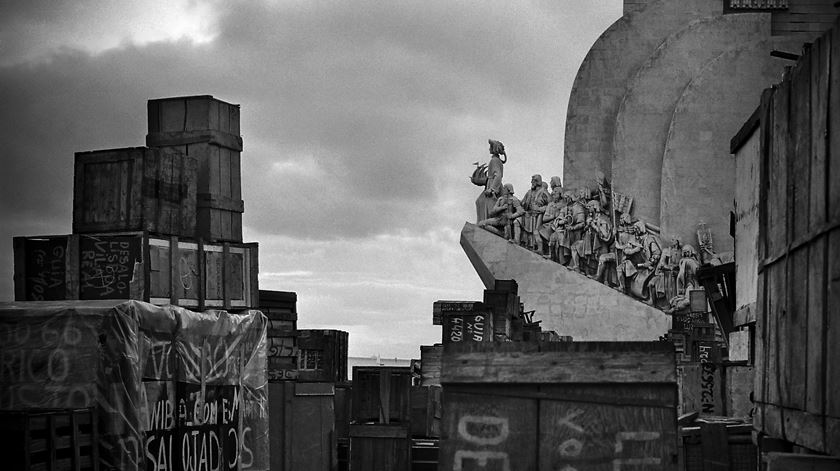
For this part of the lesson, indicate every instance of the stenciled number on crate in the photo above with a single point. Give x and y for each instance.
(492, 431)
(570, 449)
(707, 381)
(467, 327)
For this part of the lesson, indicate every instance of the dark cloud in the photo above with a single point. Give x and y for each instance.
(358, 118)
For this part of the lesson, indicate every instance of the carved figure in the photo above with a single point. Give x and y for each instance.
(623, 233)
(493, 185)
(687, 275)
(643, 256)
(534, 202)
(597, 237)
(504, 213)
(556, 208)
(560, 242)
(575, 227)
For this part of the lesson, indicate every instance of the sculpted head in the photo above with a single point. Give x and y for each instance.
(496, 147)
(507, 189)
(536, 181)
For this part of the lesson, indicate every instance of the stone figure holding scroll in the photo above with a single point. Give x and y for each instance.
(493, 185)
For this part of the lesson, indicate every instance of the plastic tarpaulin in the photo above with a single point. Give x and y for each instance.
(174, 389)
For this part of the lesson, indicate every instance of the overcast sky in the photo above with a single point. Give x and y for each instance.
(360, 121)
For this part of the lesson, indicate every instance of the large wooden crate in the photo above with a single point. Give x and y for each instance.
(378, 447)
(381, 394)
(281, 309)
(302, 418)
(135, 189)
(322, 355)
(207, 129)
(471, 326)
(559, 405)
(797, 344)
(192, 114)
(136, 265)
(50, 439)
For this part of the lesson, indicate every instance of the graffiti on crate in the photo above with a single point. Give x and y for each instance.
(44, 363)
(106, 266)
(466, 328)
(483, 430)
(46, 269)
(578, 446)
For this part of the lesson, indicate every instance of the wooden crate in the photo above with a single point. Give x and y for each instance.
(322, 355)
(50, 439)
(302, 418)
(430, 357)
(343, 405)
(468, 327)
(135, 189)
(797, 342)
(425, 411)
(380, 447)
(381, 394)
(424, 454)
(192, 114)
(559, 405)
(136, 265)
(208, 130)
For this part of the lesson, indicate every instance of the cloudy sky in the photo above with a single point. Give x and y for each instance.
(360, 120)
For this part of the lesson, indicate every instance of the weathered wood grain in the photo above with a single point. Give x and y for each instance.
(562, 365)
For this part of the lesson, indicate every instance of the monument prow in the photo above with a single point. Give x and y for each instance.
(565, 300)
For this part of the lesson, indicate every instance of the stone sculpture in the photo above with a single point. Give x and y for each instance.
(504, 214)
(493, 183)
(534, 202)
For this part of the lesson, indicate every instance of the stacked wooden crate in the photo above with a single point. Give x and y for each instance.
(559, 405)
(206, 129)
(50, 439)
(380, 431)
(281, 309)
(160, 224)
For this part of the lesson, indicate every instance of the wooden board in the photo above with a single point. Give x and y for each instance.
(328, 345)
(440, 308)
(577, 362)
(135, 189)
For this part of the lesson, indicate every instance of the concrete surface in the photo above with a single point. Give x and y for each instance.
(565, 301)
(645, 114)
(602, 78)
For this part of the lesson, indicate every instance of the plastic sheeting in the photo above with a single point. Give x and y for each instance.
(174, 389)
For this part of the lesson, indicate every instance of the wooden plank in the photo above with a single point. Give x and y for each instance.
(832, 326)
(775, 355)
(776, 461)
(73, 283)
(761, 351)
(379, 431)
(777, 201)
(833, 137)
(766, 160)
(815, 327)
(820, 52)
(794, 337)
(581, 366)
(799, 148)
(796, 426)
